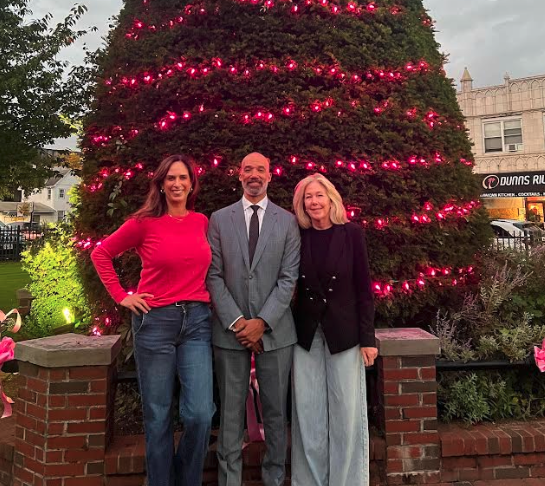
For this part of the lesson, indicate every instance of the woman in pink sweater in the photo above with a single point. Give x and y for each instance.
(171, 319)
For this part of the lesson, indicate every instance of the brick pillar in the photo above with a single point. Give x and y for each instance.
(64, 413)
(408, 405)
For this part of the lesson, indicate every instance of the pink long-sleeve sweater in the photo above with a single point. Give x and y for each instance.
(175, 258)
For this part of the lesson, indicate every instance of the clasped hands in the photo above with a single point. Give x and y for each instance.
(249, 333)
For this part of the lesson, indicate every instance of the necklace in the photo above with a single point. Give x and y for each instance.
(179, 219)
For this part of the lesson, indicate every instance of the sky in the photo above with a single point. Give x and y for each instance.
(490, 37)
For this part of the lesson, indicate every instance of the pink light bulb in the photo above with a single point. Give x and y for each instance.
(291, 65)
(316, 106)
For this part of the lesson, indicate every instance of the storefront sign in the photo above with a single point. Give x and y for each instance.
(513, 184)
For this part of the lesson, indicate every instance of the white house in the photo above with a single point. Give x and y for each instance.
(54, 195)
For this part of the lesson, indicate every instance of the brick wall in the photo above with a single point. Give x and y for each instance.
(63, 424)
(64, 416)
(510, 451)
(7, 439)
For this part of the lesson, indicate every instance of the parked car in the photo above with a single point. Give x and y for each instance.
(515, 234)
(31, 231)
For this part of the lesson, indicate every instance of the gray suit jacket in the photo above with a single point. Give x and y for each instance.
(263, 290)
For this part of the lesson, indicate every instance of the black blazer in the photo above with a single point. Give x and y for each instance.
(345, 308)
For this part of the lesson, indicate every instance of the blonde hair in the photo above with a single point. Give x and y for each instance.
(337, 212)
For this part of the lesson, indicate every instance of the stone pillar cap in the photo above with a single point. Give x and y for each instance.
(406, 342)
(69, 350)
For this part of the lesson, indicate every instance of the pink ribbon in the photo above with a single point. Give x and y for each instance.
(18, 320)
(255, 429)
(7, 353)
(539, 356)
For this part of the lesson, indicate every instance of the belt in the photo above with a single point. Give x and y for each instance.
(188, 303)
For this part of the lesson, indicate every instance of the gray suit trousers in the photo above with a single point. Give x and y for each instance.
(233, 374)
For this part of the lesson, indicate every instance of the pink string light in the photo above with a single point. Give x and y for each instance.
(195, 70)
(334, 8)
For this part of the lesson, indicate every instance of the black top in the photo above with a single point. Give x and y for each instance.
(335, 291)
(320, 241)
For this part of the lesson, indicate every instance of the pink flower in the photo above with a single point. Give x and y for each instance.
(539, 355)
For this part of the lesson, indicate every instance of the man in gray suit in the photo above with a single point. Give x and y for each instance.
(255, 263)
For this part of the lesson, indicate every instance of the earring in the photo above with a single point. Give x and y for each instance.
(190, 189)
(162, 191)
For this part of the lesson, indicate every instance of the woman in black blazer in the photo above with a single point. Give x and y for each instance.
(334, 321)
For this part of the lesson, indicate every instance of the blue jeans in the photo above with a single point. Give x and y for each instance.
(330, 441)
(169, 342)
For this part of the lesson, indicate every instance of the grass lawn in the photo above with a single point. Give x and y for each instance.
(12, 277)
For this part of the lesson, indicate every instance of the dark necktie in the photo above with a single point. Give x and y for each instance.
(254, 232)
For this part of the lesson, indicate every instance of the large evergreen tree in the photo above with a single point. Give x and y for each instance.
(355, 90)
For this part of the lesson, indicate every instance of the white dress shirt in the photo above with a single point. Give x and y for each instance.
(248, 212)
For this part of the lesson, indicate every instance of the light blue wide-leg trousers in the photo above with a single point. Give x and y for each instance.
(330, 437)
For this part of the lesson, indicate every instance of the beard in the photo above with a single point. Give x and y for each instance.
(255, 190)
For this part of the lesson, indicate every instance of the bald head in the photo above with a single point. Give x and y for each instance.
(255, 176)
(255, 157)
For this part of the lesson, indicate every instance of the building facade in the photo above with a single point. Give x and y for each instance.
(55, 196)
(506, 124)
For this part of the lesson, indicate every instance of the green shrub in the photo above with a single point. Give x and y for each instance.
(491, 395)
(502, 319)
(59, 299)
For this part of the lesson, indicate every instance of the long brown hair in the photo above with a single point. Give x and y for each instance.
(156, 203)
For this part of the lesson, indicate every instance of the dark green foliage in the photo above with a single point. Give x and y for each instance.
(241, 34)
(502, 320)
(33, 93)
(491, 396)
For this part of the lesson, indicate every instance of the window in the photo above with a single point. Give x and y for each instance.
(503, 136)
(61, 193)
(49, 193)
(60, 215)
